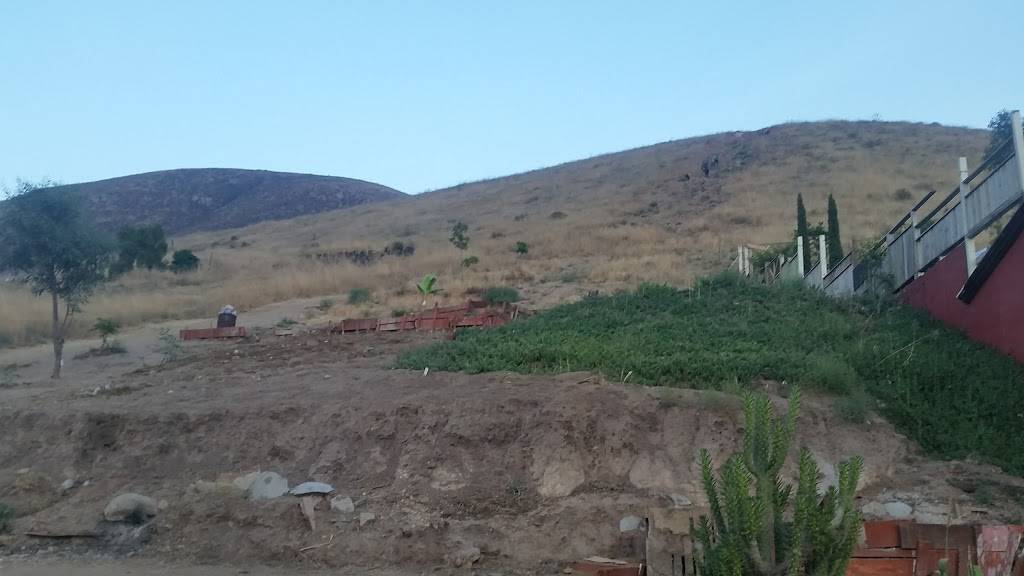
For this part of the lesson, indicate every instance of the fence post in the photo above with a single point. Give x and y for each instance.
(739, 259)
(823, 256)
(915, 222)
(970, 253)
(1018, 145)
(800, 256)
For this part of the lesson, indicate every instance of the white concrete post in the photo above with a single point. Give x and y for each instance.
(970, 252)
(739, 259)
(915, 221)
(1018, 145)
(800, 256)
(823, 256)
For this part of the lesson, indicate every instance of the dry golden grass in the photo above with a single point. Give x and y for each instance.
(642, 215)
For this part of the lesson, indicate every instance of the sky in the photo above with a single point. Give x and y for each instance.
(422, 95)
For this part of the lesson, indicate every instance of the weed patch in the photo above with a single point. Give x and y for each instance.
(955, 397)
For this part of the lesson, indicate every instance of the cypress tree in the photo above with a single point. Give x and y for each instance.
(832, 240)
(801, 229)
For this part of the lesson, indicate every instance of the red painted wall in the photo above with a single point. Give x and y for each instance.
(996, 315)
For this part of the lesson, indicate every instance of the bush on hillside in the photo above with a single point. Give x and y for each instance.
(955, 397)
(500, 295)
(359, 295)
(184, 261)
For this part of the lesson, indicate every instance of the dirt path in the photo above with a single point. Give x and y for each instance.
(33, 364)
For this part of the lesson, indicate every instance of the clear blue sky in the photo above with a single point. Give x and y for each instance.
(421, 95)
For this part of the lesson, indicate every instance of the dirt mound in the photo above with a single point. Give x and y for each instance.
(528, 471)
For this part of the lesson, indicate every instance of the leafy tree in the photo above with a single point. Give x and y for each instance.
(459, 238)
(470, 261)
(427, 287)
(184, 261)
(749, 532)
(106, 327)
(522, 248)
(832, 239)
(1002, 130)
(140, 246)
(47, 239)
(801, 228)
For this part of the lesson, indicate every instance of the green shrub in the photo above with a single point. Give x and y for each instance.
(169, 346)
(106, 328)
(325, 304)
(184, 261)
(6, 517)
(459, 237)
(521, 248)
(467, 262)
(853, 409)
(954, 397)
(359, 295)
(286, 322)
(500, 295)
(399, 312)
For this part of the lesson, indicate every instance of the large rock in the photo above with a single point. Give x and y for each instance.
(131, 508)
(263, 485)
(343, 504)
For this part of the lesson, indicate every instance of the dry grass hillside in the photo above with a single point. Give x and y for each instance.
(612, 221)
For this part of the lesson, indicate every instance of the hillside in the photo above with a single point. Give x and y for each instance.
(603, 223)
(187, 200)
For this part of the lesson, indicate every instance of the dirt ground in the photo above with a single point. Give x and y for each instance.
(504, 472)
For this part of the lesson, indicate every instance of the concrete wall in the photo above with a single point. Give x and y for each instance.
(996, 315)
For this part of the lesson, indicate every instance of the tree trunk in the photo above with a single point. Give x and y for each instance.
(58, 339)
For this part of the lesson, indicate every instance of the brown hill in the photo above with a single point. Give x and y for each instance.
(607, 222)
(194, 199)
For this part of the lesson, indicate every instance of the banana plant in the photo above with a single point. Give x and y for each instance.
(427, 287)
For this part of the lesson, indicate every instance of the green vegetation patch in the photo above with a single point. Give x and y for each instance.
(953, 396)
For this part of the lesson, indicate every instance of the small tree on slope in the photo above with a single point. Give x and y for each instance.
(748, 532)
(832, 239)
(45, 237)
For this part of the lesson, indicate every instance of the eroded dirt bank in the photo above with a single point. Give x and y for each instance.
(500, 470)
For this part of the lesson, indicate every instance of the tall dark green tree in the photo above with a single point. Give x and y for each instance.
(459, 237)
(46, 238)
(832, 240)
(801, 229)
(140, 246)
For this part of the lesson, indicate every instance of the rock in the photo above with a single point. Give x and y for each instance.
(312, 488)
(630, 523)
(898, 510)
(465, 555)
(263, 485)
(680, 501)
(131, 508)
(366, 517)
(343, 504)
(67, 485)
(874, 511)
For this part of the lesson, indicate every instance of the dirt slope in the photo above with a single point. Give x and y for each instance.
(531, 472)
(213, 198)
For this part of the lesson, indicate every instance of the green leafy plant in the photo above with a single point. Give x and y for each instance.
(325, 304)
(459, 237)
(286, 322)
(427, 286)
(500, 295)
(853, 408)
(470, 261)
(359, 296)
(184, 261)
(106, 328)
(169, 346)
(521, 248)
(399, 312)
(6, 517)
(758, 524)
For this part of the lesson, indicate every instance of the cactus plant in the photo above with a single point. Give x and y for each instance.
(748, 531)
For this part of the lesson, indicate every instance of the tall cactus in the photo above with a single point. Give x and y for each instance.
(748, 531)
